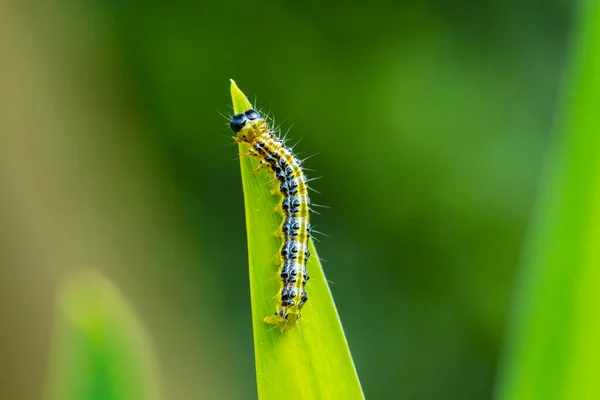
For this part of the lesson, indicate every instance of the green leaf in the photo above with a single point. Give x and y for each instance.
(553, 347)
(312, 360)
(100, 349)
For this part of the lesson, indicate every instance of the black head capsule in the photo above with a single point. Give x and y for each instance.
(237, 122)
(252, 114)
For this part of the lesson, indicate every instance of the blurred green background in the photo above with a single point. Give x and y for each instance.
(430, 122)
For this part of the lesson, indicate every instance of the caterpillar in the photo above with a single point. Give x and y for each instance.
(295, 230)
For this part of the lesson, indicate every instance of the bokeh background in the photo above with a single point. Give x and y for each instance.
(429, 120)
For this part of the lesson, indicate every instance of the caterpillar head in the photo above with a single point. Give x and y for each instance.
(247, 126)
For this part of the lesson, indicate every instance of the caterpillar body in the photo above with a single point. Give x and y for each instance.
(253, 130)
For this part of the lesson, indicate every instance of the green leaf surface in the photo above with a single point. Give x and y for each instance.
(312, 360)
(100, 349)
(553, 347)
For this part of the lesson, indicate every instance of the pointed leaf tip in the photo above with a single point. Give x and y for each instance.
(239, 100)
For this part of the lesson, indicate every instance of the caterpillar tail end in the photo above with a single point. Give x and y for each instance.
(281, 322)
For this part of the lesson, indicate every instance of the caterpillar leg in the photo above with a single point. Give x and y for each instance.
(279, 232)
(262, 164)
(253, 153)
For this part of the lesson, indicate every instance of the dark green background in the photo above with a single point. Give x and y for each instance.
(429, 121)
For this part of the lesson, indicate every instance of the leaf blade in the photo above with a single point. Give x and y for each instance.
(314, 361)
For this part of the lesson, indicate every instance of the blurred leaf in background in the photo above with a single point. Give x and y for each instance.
(100, 348)
(553, 350)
